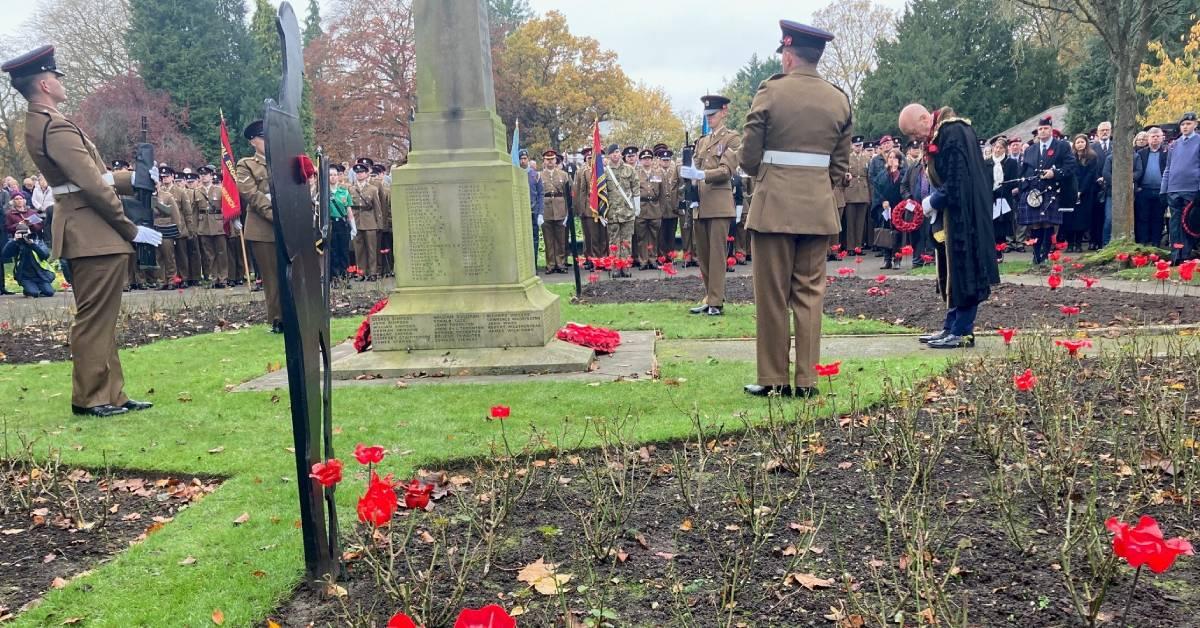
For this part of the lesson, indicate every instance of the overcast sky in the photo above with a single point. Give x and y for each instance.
(689, 48)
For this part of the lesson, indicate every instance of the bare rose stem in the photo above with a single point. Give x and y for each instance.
(1129, 602)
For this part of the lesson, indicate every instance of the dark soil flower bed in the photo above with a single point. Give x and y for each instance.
(915, 303)
(960, 501)
(58, 522)
(47, 340)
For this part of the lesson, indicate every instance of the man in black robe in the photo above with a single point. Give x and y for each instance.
(960, 211)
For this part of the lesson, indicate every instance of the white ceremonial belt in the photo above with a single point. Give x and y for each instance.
(68, 188)
(785, 158)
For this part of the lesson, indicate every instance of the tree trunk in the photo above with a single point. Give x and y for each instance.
(1124, 129)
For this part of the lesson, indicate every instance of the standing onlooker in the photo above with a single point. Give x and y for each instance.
(1004, 203)
(1148, 205)
(43, 198)
(887, 191)
(1087, 187)
(342, 219)
(1180, 183)
(916, 186)
(858, 199)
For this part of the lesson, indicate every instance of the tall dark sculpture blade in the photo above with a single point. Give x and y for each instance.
(301, 229)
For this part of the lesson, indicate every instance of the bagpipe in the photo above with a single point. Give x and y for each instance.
(1035, 193)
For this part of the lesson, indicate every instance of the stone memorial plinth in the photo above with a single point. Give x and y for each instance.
(466, 299)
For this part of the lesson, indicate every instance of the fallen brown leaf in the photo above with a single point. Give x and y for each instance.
(218, 617)
(542, 577)
(242, 518)
(808, 581)
(58, 583)
(188, 561)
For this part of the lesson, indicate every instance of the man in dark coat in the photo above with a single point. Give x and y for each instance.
(960, 211)
(1050, 162)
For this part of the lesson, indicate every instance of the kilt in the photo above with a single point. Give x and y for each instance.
(1047, 212)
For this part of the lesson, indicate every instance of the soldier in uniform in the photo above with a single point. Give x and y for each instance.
(648, 226)
(90, 230)
(364, 201)
(383, 183)
(556, 188)
(189, 261)
(713, 169)
(858, 199)
(210, 228)
(623, 187)
(796, 147)
(171, 226)
(595, 234)
(670, 199)
(254, 188)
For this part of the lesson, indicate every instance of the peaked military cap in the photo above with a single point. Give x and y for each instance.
(119, 164)
(797, 34)
(857, 139)
(361, 167)
(33, 62)
(713, 103)
(166, 170)
(378, 169)
(916, 144)
(629, 150)
(665, 153)
(191, 176)
(1189, 116)
(253, 130)
(646, 154)
(871, 145)
(207, 169)
(660, 146)
(550, 153)
(365, 161)
(340, 168)
(998, 138)
(585, 152)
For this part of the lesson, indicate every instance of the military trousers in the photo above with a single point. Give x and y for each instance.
(216, 259)
(554, 232)
(687, 232)
(237, 257)
(168, 254)
(835, 240)
(366, 252)
(595, 236)
(646, 234)
(268, 271)
(96, 376)
(666, 236)
(741, 237)
(620, 234)
(789, 279)
(712, 235)
(854, 226)
(193, 270)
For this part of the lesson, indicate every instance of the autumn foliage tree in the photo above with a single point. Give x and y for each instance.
(557, 83)
(112, 116)
(850, 57)
(1173, 85)
(645, 118)
(362, 71)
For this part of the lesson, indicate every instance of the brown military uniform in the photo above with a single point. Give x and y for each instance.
(670, 207)
(254, 188)
(387, 261)
(556, 187)
(172, 227)
(716, 155)
(648, 226)
(189, 263)
(364, 199)
(795, 117)
(90, 229)
(858, 202)
(210, 232)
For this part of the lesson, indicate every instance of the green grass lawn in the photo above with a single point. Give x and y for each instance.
(674, 321)
(245, 570)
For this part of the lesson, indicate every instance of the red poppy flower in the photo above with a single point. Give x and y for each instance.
(593, 278)
(1162, 275)
(1001, 247)
(1162, 265)
(1187, 269)
(362, 338)
(662, 259)
(1055, 256)
(1077, 266)
(1153, 257)
(400, 620)
(739, 256)
(1140, 260)
(379, 503)
(1031, 241)
(898, 255)
(842, 254)
(416, 494)
(880, 278)
(500, 412)
(1066, 260)
(858, 260)
(927, 258)
(906, 250)
(368, 455)
(600, 339)
(327, 473)
(490, 616)
(1073, 346)
(1049, 152)
(669, 269)
(828, 370)
(1122, 257)
(687, 256)
(1060, 246)
(858, 250)
(729, 238)
(730, 261)
(1143, 544)
(1088, 282)
(1054, 281)
(845, 271)
(876, 291)
(931, 149)
(1057, 268)
(612, 248)
(1025, 381)
(1069, 310)
(1007, 334)
(835, 248)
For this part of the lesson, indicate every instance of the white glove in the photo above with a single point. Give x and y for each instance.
(146, 235)
(541, 220)
(695, 174)
(637, 206)
(693, 205)
(353, 231)
(268, 195)
(926, 208)
(237, 224)
(738, 213)
(564, 222)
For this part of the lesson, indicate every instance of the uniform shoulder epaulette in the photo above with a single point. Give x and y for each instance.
(772, 78)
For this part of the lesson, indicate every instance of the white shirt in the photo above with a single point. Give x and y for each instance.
(42, 198)
(997, 172)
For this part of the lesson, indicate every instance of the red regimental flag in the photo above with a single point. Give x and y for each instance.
(231, 205)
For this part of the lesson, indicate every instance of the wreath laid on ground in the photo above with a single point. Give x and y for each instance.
(899, 220)
(362, 339)
(597, 338)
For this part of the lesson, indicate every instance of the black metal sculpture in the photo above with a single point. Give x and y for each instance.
(301, 229)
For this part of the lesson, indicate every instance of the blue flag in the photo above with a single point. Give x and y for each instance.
(704, 128)
(516, 145)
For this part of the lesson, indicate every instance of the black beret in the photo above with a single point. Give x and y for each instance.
(612, 148)
(1191, 115)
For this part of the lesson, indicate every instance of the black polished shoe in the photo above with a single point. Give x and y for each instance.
(928, 338)
(951, 341)
(699, 309)
(714, 310)
(102, 412)
(763, 391)
(277, 327)
(805, 392)
(133, 405)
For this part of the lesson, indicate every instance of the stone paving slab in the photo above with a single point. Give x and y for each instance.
(634, 360)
